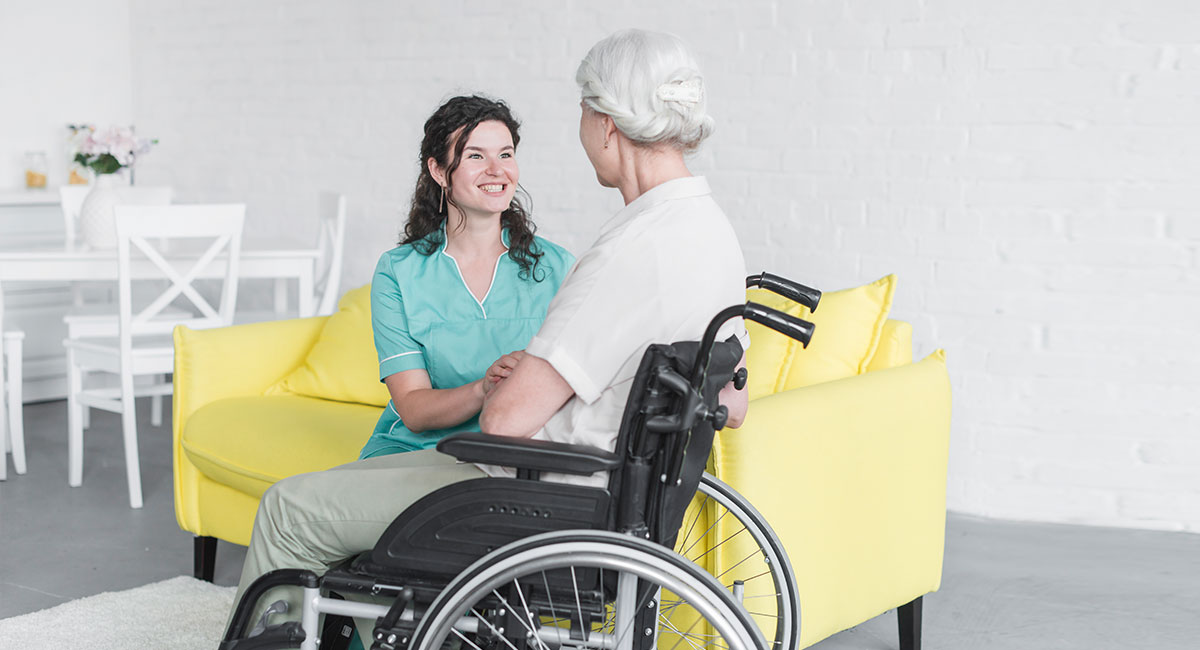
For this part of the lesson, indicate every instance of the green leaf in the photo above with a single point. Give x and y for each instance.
(105, 164)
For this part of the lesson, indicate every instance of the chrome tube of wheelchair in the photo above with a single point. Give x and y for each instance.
(626, 606)
(310, 619)
(555, 635)
(315, 604)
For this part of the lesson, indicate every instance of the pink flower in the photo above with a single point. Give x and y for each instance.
(117, 141)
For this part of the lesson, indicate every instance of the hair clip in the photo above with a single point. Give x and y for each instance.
(688, 91)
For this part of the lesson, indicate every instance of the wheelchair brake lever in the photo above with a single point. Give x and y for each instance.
(673, 380)
(685, 417)
(277, 607)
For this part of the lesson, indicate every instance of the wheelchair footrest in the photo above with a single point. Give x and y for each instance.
(239, 625)
(284, 635)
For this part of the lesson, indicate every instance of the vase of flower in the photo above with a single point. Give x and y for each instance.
(106, 153)
(97, 224)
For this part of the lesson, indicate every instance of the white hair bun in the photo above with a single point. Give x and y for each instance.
(650, 85)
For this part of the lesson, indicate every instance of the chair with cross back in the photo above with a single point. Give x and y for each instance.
(193, 251)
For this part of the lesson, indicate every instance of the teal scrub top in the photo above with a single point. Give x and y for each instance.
(425, 317)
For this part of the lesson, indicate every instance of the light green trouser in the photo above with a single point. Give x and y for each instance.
(313, 521)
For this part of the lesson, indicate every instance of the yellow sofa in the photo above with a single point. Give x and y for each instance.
(850, 473)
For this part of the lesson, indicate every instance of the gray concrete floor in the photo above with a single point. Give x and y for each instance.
(1005, 585)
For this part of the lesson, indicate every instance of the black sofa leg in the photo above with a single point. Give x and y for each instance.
(204, 557)
(909, 618)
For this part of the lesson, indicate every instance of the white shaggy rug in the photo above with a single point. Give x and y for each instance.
(180, 613)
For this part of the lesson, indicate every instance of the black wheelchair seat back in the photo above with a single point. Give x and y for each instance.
(667, 434)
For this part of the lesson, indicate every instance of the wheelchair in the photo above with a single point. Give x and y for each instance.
(525, 564)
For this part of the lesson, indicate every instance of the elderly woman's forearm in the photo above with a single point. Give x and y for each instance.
(521, 404)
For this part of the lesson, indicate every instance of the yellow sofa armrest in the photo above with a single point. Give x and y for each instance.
(852, 476)
(226, 362)
(895, 346)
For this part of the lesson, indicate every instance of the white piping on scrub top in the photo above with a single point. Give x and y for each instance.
(395, 356)
(495, 270)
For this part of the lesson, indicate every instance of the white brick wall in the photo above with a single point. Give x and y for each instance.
(53, 73)
(1029, 168)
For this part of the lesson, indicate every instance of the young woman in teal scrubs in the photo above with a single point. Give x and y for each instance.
(467, 288)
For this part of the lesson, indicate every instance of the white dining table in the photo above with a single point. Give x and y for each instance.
(41, 262)
(63, 263)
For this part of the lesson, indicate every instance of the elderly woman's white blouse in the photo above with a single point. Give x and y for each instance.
(661, 269)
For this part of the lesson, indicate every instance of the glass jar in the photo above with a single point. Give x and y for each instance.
(76, 134)
(35, 170)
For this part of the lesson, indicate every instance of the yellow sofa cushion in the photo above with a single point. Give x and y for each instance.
(769, 350)
(849, 324)
(895, 346)
(249, 443)
(342, 365)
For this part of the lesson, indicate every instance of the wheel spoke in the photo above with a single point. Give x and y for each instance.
(717, 545)
(687, 636)
(699, 510)
(578, 605)
(701, 537)
(464, 638)
(529, 627)
(763, 614)
(739, 563)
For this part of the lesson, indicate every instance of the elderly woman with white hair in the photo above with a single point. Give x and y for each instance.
(660, 269)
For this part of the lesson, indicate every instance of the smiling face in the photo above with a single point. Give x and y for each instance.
(486, 178)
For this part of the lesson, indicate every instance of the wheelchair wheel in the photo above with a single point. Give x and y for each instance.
(722, 532)
(585, 589)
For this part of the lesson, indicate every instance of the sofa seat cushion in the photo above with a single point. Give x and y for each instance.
(249, 443)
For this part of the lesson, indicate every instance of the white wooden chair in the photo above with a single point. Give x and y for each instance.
(93, 316)
(143, 344)
(331, 242)
(331, 245)
(10, 401)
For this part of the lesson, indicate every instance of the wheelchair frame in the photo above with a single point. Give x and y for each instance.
(468, 540)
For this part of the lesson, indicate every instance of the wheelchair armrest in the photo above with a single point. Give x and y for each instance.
(526, 453)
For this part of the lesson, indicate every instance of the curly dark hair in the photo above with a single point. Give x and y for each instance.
(426, 216)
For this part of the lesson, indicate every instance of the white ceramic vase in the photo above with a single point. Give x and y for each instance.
(97, 225)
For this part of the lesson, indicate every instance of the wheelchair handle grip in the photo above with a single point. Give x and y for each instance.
(793, 291)
(786, 324)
